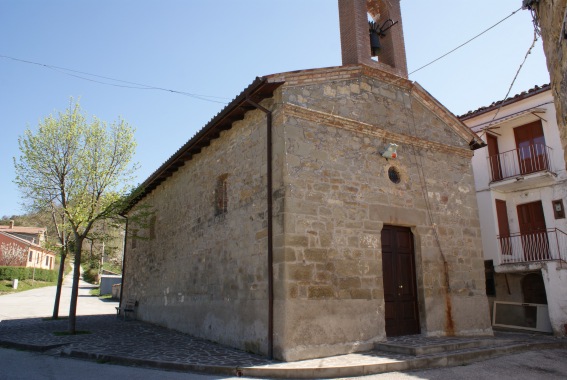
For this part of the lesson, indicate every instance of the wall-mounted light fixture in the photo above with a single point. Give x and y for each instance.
(390, 151)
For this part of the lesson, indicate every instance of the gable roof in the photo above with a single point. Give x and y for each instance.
(516, 98)
(263, 88)
(23, 230)
(23, 241)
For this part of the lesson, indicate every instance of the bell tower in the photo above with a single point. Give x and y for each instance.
(379, 21)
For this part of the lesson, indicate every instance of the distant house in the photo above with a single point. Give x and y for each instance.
(36, 235)
(521, 187)
(15, 251)
(320, 212)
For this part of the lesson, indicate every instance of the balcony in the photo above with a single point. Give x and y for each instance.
(537, 246)
(510, 168)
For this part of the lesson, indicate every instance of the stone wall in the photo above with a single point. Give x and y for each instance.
(202, 273)
(552, 17)
(329, 295)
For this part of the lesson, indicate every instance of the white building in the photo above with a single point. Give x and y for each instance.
(521, 187)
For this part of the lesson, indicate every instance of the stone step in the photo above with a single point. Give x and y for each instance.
(433, 347)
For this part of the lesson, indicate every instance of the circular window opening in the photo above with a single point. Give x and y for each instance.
(394, 175)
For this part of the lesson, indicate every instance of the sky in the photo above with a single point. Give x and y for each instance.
(213, 50)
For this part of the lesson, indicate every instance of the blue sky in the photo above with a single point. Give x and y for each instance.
(216, 48)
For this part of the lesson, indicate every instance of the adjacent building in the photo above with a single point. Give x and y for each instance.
(16, 251)
(520, 181)
(320, 212)
(36, 235)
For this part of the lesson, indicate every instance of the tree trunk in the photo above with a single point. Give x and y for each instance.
(75, 288)
(59, 285)
(551, 16)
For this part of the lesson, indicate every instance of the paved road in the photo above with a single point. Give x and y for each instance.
(543, 364)
(39, 302)
(21, 365)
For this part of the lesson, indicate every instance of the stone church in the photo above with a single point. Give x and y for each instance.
(321, 211)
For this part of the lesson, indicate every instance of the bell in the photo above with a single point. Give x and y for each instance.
(374, 43)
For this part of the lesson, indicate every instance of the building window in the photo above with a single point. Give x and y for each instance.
(47, 260)
(221, 195)
(153, 227)
(558, 209)
(532, 152)
(30, 256)
(489, 275)
(134, 238)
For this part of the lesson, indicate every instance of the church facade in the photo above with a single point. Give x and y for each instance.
(320, 212)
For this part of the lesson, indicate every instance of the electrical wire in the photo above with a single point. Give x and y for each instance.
(517, 72)
(133, 85)
(464, 43)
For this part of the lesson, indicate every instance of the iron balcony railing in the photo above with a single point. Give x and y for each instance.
(550, 244)
(518, 162)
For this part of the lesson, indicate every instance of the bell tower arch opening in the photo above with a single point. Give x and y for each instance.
(373, 28)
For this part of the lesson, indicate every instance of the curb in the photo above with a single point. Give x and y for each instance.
(432, 361)
(115, 359)
(30, 347)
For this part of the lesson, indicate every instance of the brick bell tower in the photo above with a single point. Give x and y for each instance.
(357, 17)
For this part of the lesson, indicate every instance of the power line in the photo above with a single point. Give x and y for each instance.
(464, 43)
(517, 72)
(133, 85)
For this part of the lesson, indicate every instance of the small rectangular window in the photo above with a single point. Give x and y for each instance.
(30, 256)
(47, 260)
(489, 274)
(221, 195)
(134, 238)
(153, 227)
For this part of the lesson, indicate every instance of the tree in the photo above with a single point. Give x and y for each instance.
(79, 171)
(12, 254)
(550, 17)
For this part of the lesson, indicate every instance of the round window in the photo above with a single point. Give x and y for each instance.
(394, 175)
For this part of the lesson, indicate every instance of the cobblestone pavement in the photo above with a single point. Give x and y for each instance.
(136, 342)
(110, 336)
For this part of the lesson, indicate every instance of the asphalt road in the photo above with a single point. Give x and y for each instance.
(38, 303)
(14, 364)
(21, 365)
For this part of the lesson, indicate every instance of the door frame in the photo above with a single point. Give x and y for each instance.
(401, 298)
(534, 240)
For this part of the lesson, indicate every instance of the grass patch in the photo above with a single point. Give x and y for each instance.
(112, 268)
(95, 292)
(66, 333)
(6, 286)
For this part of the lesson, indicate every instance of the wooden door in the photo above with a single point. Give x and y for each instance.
(533, 231)
(530, 143)
(400, 290)
(494, 157)
(503, 227)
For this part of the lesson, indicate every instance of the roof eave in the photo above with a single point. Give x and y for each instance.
(257, 91)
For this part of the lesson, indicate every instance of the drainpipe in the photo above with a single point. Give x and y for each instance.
(123, 260)
(269, 155)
